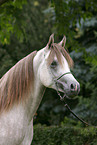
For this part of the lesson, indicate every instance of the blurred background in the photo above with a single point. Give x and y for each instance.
(26, 25)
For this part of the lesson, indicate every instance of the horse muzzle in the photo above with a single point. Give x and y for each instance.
(70, 89)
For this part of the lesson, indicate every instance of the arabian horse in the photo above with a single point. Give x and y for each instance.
(23, 86)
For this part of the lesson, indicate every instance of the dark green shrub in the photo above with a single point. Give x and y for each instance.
(64, 135)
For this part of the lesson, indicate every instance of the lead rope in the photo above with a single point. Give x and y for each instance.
(66, 105)
(62, 98)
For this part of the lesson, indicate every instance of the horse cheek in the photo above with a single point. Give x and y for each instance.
(45, 78)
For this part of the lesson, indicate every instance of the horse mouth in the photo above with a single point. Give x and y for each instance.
(67, 90)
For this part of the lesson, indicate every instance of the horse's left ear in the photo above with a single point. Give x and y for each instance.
(51, 40)
(62, 43)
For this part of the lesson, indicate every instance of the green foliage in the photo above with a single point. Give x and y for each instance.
(30, 34)
(64, 135)
(11, 20)
(68, 13)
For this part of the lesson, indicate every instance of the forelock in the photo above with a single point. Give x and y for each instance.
(57, 50)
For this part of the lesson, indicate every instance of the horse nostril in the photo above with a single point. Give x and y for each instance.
(72, 86)
(75, 87)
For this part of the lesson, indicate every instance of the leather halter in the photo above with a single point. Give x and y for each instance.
(63, 75)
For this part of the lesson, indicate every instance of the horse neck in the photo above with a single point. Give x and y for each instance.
(36, 97)
(38, 91)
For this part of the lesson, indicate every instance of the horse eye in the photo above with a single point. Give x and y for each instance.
(54, 64)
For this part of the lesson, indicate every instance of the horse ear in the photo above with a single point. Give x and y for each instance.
(62, 43)
(51, 40)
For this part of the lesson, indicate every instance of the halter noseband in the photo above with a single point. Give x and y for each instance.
(63, 75)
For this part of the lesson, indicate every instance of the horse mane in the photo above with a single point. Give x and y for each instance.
(17, 82)
(57, 50)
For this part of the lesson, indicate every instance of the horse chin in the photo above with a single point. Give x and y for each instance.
(71, 94)
(68, 94)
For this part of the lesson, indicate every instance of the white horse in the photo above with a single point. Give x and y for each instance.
(23, 86)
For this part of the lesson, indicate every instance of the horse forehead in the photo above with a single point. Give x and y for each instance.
(64, 64)
(55, 57)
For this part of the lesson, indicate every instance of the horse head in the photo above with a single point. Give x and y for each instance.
(55, 67)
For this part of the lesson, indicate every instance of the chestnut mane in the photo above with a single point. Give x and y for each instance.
(17, 82)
